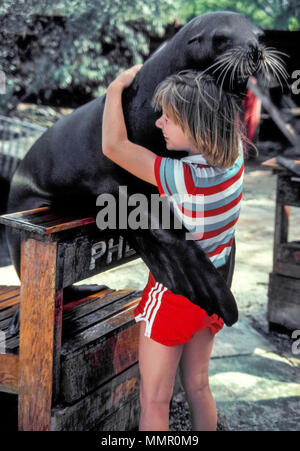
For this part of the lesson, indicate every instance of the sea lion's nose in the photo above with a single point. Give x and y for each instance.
(253, 51)
(252, 45)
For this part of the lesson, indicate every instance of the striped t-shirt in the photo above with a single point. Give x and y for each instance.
(209, 206)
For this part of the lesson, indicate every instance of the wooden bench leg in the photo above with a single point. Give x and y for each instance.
(282, 214)
(40, 334)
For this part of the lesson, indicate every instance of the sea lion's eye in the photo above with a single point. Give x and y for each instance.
(220, 38)
(198, 37)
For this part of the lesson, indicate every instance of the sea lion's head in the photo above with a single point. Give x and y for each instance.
(230, 47)
(224, 44)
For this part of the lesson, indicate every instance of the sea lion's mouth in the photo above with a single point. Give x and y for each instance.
(235, 66)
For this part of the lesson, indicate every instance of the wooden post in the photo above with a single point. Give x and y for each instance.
(40, 328)
(282, 213)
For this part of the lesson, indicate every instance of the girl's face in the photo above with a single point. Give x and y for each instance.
(173, 134)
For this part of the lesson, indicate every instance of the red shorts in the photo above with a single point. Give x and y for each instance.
(172, 319)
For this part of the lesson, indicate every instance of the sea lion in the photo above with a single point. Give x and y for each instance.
(65, 168)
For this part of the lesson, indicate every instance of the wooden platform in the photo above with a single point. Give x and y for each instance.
(284, 281)
(99, 363)
(74, 364)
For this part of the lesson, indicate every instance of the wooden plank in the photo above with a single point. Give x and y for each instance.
(4, 323)
(90, 253)
(124, 419)
(287, 269)
(105, 357)
(8, 293)
(287, 261)
(38, 320)
(271, 163)
(288, 191)
(92, 302)
(7, 312)
(7, 343)
(14, 300)
(9, 373)
(100, 329)
(284, 301)
(80, 322)
(88, 412)
(12, 345)
(44, 221)
(72, 305)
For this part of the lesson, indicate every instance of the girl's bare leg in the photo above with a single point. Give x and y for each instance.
(158, 365)
(194, 376)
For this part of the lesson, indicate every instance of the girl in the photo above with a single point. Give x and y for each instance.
(196, 117)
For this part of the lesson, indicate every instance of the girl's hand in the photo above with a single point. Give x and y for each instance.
(126, 78)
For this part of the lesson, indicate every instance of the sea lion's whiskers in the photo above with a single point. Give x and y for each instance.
(278, 60)
(278, 66)
(225, 69)
(265, 69)
(272, 50)
(225, 73)
(224, 63)
(270, 62)
(220, 61)
(238, 66)
(227, 61)
(272, 55)
(275, 62)
(234, 67)
(224, 60)
(276, 73)
(235, 60)
(249, 68)
(244, 68)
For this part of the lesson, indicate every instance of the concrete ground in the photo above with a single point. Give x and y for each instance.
(254, 374)
(255, 387)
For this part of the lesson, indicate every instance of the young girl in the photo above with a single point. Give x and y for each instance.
(196, 117)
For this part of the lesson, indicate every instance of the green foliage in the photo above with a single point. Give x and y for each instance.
(97, 41)
(99, 38)
(279, 14)
(294, 23)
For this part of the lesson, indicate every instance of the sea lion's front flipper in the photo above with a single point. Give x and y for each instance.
(183, 267)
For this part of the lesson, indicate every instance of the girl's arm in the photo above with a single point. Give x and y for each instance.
(115, 144)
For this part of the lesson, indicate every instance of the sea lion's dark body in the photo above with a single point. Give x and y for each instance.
(66, 164)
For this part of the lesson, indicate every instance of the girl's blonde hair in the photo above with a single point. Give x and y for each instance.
(208, 116)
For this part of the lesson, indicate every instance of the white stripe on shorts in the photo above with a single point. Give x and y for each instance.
(149, 325)
(150, 304)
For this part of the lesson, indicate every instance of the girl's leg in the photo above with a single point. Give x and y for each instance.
(194, 377)
(158, 365)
